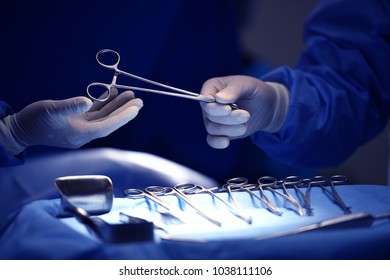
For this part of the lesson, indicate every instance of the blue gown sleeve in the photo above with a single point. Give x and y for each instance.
(340, 87)
(6, 159)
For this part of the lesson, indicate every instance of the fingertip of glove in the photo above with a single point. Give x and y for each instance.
(84, 103)
(132, 111)
(73, 105)
(242, 116)
(139, 103)
(136, 102)
(88, 102)
(218, 142)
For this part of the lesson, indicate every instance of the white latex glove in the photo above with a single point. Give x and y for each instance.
(69, 123)
(262, 107)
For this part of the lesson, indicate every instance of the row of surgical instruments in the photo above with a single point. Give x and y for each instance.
(282, 188)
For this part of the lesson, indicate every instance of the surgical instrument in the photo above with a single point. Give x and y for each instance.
(127, 219)
(142, 230)
(162, 191)
(195, 189)
(358, 219)
(241, 184)
(336, 179)
(86, 195)
(93, 193)
(150, 195)
(296, 182)
(272, 183)
(113, 59)
(339, 179)
(264, 198)
(234, 183)
(316, 180)
(249, 189)
(180, 191)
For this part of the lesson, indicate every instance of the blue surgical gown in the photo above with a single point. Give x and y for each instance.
(340, 87)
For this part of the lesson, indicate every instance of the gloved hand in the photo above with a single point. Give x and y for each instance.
(262, 107)
(69, 123)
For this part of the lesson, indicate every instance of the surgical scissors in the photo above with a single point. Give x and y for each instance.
(136, 193)
(178, 190)
(113, 55)
(235, 210)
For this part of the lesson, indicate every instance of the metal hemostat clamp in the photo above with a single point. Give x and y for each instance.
(110, 59)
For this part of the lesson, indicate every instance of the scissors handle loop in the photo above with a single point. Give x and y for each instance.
(157, 190)
(237, 181)
(133, 193)
(338, 179)
(295, 181)
(110, 60)
(99, 89)
(318, 180)
(188, 188)
(267, 181)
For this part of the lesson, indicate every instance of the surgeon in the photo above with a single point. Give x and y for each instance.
(317, 114)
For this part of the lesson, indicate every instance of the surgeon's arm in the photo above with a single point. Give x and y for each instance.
(339, 92)
(68, 123)
(340, 88)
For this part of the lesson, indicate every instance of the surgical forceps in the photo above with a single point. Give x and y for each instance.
(271, 183)
(179, 192)
(136, 193)
(316, 180)
(241, 184)
(113, 55)
(234, 184)
(339, 179)
(195, 189)
(320, 181)
(261, 183)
